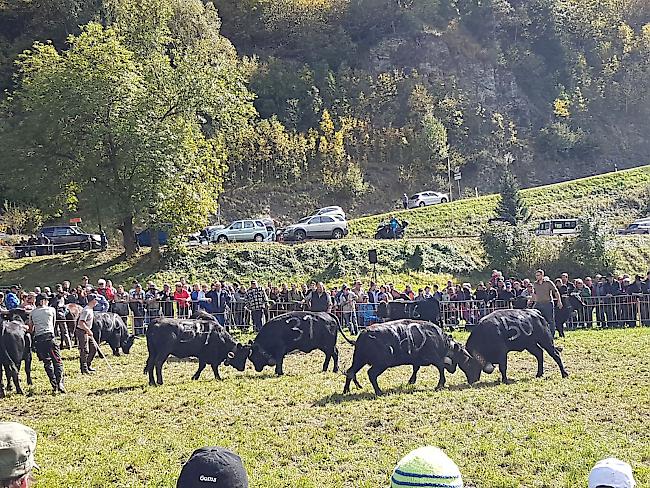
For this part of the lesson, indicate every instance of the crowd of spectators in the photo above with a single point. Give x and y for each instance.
(603, 296)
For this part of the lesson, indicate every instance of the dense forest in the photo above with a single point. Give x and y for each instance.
(358, 101)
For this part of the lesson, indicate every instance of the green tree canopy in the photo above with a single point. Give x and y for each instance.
(511, 206)
(139, 107)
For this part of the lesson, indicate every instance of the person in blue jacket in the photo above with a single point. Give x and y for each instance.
(11, 300)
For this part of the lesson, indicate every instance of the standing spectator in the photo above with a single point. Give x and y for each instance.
(239, 305)
(102, 303)
(84, 282)
(627, 304)
(152, 303)
(219, 300)
(295, 297)
(196, 296)
(137, 305)
(182, 299)
(611, 291)
(394, 225)
(319, 300)
(584, 313)
(346, 302)
(357, 289)
(567, 286)
(42, 322)
(256, 301)
(104, 290)
(383, 295)
(166, 300)
(408, 291)
(29, 302)
(84, 333)
(545, 292)
(405, 201)
(373, 293)
(17, 446)
(121, 303)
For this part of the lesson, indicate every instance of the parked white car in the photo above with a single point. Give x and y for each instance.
(425, 198)
(242, 230)
(317, 226)
(333, 210)
(558, 227)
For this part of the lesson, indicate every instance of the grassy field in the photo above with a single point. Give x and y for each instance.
(618, 196)
(111, 430)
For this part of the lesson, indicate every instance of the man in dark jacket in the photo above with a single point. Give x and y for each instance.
(219, 300)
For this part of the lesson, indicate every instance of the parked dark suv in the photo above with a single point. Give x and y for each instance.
(71, 238)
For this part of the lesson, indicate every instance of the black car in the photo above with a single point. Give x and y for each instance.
(71, 238)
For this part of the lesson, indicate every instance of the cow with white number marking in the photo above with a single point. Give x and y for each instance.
(293, 331)
(512, 330)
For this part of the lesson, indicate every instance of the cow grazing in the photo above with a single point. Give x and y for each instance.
(293, 331)
(110, 327)
(15, 346)
(503, 331)
(404, 342)
(201, 338)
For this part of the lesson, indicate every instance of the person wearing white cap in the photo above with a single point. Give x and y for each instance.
(611, 473)
(426, 466)
(17, 446)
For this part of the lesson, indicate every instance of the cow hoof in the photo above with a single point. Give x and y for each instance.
(565, 375)
(2, 394)
(439, 387)
(508, 381)
(379, 393)
(194, 378)
(20, 391)
(539, 375)
(151, 383)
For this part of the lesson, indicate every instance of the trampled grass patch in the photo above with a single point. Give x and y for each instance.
(112, 430)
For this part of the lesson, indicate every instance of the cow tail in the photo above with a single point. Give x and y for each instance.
(338, 324)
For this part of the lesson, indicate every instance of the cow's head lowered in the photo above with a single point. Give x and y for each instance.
(458, 355)
(252, 351)
(127, 343)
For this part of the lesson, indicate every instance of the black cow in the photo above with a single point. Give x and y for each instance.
(570, 303)
(293, 331)
(403, 342)
(15, 346)
(428, 310)
(110, 327)
(503, 331)
(202, 338)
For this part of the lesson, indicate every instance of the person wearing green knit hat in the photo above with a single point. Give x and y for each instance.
(426, 466)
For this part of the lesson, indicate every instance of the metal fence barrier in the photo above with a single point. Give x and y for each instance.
(603, 312)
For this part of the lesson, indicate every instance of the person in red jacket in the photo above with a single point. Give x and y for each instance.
(182, 299)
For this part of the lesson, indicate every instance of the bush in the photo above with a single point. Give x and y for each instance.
(506, 247)
(587, 252)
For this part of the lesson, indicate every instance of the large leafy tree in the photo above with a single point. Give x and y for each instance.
(135, 114)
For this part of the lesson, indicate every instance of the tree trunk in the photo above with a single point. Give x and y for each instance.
(155, 246)
(128, 236)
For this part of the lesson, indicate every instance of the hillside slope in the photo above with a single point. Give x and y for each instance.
(618, 197)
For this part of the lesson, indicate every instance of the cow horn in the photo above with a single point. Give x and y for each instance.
(231, 355)
(447, 361)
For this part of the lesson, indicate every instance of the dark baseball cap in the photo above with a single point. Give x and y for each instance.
(213, 467)
(91, 296)
(40, 297)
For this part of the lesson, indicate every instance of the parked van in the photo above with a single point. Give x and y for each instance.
(558, 227)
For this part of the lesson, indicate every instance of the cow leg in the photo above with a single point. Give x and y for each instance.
(148, 368)
(351, 375)
(414, 376)
(159, 364)
(373, 374)
(278, 366)
(503, 368)
(215, 370)
(2, 384)
(555, 354)
(16, 378)
(442, 380)
(202, 365)
(536, 351)
(10, 385)
(28, 366)
(335, 355)
(326, 364)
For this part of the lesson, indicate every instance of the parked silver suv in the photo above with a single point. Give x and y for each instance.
(317, 226)
(242, 230)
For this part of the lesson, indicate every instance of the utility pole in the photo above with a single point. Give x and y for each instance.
(449, 176)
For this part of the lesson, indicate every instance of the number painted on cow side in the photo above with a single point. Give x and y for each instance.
(515, 331)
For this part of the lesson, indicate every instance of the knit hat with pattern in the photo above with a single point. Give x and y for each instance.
(427, 467)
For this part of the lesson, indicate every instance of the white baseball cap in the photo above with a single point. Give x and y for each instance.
(611, 472)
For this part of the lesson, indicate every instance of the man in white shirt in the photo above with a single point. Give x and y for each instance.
(41, 323)
(84, 333)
